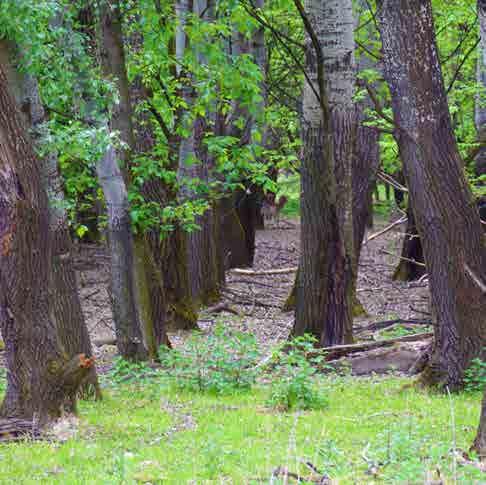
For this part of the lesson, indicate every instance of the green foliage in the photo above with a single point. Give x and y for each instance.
(293, 376)
(124, 371)
(475, 376)
(150, 433)
(222, 363)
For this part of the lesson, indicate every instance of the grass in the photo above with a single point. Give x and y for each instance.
(151, 433)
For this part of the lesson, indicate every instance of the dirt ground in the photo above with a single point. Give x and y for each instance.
(259, 299)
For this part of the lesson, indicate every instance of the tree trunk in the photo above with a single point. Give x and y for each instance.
(446, 216)
(325, 286)
(480, 162)
(407, 269)
(120, 238)
(40, 378)
(202, 245)
(65, 303)
(114, 67)
(479, 445)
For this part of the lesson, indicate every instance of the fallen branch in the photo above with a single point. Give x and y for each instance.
(388, 323)
(388, 228)
(339, 351)
(263, 272)
(104, 341)
(222, 307)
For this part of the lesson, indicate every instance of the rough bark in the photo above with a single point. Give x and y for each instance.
(325, 286)
(202, 245)
(446, 216)
(39, 378)
(120, 237)
(480, 112)
(65, 303)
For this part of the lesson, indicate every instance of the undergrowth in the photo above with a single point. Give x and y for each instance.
(215, 412)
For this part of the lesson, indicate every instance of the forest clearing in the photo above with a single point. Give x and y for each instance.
(242, 241)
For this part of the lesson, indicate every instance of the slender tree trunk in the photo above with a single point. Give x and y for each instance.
(65, 303)
(480, 162)
(325, 286)
(114, 66)
(446, 216)
(40, 378)
(120, 238)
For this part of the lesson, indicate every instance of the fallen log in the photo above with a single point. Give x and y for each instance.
(104, 341)
(221, 307)
(263, 272)
(13, 429)
(339, 351)
(389, 323)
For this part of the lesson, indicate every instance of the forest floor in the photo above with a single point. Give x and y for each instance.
(258, 299)
(151, 429)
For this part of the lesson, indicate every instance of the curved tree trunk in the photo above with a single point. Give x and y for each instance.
(65, 303)
(446, 216)
(325, 286)
(41, 379)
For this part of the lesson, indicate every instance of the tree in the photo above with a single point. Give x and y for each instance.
(41, 378)
(149, 298)
(479, 444)
(325, 284)
(480, 164)
(120, 238)
(446, 216)
(65, 303)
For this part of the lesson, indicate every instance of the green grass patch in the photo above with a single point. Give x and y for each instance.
(153, 433)
(289, 186)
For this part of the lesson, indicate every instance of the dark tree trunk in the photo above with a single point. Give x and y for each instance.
(236, 250)
(40, 378)
(446, 216)
(412, 253)
(479, 445)
(65, 303)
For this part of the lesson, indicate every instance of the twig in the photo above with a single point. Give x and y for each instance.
(403, 258)
(475, 278)
(388, 228)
